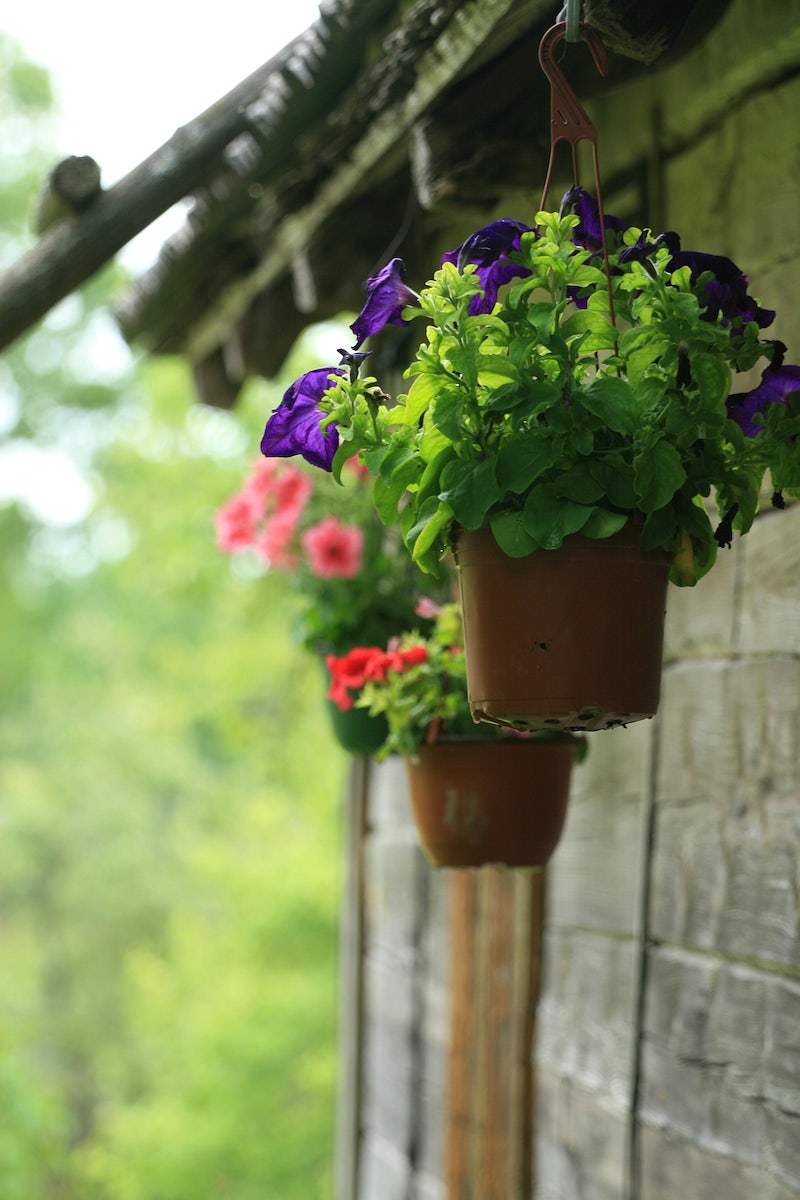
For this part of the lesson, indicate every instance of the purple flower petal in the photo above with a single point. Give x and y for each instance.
(776, 384)
(726, 293)
(387, 296)
(488, 249)
(587, 232)
(294, 428)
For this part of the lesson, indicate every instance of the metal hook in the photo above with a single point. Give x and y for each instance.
(569, 121)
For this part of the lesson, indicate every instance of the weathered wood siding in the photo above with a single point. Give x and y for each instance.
(440, 974)
(669, 1025)
(667, 1059)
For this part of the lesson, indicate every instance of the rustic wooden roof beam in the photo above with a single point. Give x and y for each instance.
(72, 251)
(463, 37)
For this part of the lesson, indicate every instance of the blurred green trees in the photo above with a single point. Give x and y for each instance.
(170, 800)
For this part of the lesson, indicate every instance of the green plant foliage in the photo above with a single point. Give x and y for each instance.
(170, 856)
(171, 850)
(537, 416)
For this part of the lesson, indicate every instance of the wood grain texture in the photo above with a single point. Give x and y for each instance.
(770, 621)
(727, 851)
(580, 1143)
(495, 916)
(675, 1166)
(594, 877)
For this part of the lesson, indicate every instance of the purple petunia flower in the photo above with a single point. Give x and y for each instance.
(387, 296)
(587, 232)
(777, 383)
(294, 428)
(643, 247)
(488, 249)
(727, 292)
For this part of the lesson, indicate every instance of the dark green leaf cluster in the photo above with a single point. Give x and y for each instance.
(581, 399)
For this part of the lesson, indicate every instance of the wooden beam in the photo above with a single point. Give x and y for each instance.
(464, 38)
(638, 29)
(72, 251)
(276, 101)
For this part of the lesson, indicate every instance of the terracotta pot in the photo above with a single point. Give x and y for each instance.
(482, 802)
(563, 639)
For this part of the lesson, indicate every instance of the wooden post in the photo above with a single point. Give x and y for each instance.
(351, 985)
(496, 921)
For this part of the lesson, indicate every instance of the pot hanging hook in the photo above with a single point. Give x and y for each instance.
(569, 121)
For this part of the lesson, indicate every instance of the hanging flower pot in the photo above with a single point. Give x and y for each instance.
(356, 730)
(563, 639)
(479, 795)
(478, 803)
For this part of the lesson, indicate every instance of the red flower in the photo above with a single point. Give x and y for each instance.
(350, 672)
(414, 656)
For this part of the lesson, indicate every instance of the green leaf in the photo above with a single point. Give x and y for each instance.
(447, 415)
(540, 316)
(602, 523)
(432, 518)
(494, 370)
(473, 493)
(711, 376)
(421, 395)
(395, 458)
(520, 463)
(660, 528)
(602, 334)
(387, 497)
(613, 400)
(615, 476)
(430, 481)
(549, 520)
(578, 484)
(511, 535)
(658, 474)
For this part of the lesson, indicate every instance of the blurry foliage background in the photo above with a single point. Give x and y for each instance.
(170, 794)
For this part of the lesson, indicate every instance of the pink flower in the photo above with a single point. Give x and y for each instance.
(427, 609)
(261, 483)
(333, 550)
(236, 524)
(274, 541)
(292, 489)
(278, 486)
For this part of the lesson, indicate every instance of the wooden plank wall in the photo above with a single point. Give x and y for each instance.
(669, 1025)
(440, 981)
(667, 1060)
